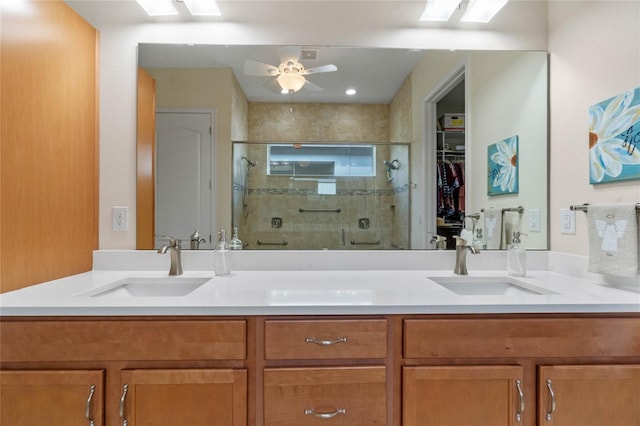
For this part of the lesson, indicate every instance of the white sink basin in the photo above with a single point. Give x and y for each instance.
(488, 286)
(148, 287)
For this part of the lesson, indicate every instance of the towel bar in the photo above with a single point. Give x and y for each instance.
(370, 243)
(584, 207)
(273, 243)
(301, 210)
(518, 209)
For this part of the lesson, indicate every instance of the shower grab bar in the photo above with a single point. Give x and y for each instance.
(368, 243)
(518, 209)
(584, 207)
(273, 243)
(301, 210)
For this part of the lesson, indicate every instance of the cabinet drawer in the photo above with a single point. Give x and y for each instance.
(69, 340)
(531, 337)
(325, 339)
(306, 396)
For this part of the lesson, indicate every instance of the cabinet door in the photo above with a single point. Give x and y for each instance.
(589, 395)
(339, 396)
(184, 397)
(52, 397)
(462, 396)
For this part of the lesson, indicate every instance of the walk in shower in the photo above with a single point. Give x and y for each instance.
(295, 196)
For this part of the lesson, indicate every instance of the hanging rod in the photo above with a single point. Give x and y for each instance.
(518, 209)
(301, 210)
(584, 207)
(273, 243)
(368, 243)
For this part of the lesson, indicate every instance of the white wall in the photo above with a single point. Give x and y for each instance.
(521, 25)
(594, 54)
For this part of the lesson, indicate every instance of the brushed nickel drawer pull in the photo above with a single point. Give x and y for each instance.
(87, 407)
(312, 412)
(125, 388)
(326, 342)
(521, 396)
(552, 401)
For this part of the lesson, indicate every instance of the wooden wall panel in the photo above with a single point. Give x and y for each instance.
(146, 148)
(49, 143)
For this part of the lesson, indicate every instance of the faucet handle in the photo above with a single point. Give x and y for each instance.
(173, 242)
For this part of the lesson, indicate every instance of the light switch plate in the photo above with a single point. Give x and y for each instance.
(534, 220)
(567, 221)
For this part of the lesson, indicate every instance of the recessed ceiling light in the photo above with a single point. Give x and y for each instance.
(202, 7)
(350, 92)
(439, 10)
(482, 10)
(158, 7)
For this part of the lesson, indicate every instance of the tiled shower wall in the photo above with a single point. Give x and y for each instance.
(373, 212)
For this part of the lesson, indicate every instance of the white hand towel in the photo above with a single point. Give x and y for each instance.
(613, 240)
(493, 228)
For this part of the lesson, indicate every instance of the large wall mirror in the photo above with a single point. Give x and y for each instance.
(438, 142)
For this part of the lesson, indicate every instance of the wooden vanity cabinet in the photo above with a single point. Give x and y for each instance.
(462, 395)
(325, 371)
(589, 395)
(52, 397)
(176, 371)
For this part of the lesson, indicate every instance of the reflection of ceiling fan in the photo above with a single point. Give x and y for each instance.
(290, 74)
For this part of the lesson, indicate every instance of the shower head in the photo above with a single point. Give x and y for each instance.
(392, 165)
(251, 163)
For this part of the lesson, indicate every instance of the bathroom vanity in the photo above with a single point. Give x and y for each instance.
(277, 348)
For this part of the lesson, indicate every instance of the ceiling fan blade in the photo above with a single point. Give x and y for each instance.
(252, 67)
(312, 87)
(273, 86)
(289, 53)
(322, 68)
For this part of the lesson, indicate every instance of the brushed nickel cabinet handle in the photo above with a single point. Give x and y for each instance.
(552, 401)
(125, 388)
(312, 412)
(521, 396)
(325, 342)
(87, 406)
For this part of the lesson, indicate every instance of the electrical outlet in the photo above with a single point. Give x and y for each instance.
(120, 218)
(534, 220)
(567, 221)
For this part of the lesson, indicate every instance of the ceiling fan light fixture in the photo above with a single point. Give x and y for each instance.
(439, 10)
(482, 10)
(203, 7)
(291, 82)
(158, 7)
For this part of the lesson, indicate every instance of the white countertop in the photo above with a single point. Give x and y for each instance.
(317, 292)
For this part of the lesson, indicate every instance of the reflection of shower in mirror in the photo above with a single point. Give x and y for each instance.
(245, 194)
(251, 163)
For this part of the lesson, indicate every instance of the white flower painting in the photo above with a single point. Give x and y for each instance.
(614, 138)
(502, 167)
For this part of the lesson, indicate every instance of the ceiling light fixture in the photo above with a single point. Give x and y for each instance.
(291, 82)
(202, 7)
(439, 10)
(350, 92)
(158, 7)
(482, 10)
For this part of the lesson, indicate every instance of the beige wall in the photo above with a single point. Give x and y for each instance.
(594, 54)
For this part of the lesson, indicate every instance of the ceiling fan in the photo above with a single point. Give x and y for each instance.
(290, 74)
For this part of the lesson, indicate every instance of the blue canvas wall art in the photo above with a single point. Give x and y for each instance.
(502, 167)
(614, 138)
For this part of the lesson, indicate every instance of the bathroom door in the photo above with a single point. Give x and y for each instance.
(184, 160)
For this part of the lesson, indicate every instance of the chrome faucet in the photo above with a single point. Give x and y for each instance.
(461, 255)
(174, 250)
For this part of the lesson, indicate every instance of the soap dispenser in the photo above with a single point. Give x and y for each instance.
(221, 261)
(235, 243)
(516, 256)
